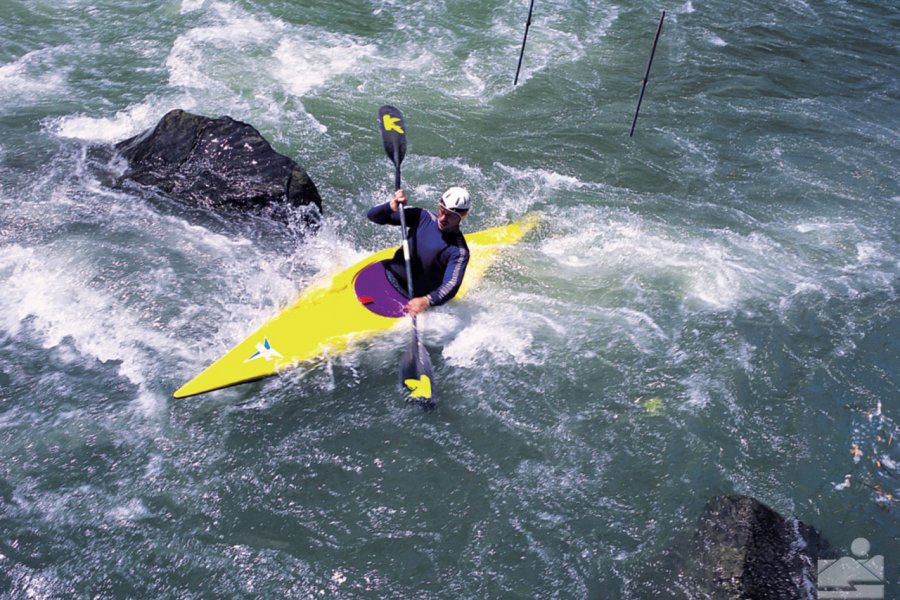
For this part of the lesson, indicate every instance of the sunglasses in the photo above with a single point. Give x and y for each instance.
(446, 211)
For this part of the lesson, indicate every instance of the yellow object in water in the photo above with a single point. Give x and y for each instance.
(328, 317)
(653, 406)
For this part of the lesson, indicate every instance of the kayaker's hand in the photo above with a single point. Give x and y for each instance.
(417, 306)
(398, 199)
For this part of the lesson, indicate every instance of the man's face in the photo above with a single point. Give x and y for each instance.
(447, 219)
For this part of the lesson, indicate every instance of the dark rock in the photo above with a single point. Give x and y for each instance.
(218, 163)
(744, 549)
(740, 550)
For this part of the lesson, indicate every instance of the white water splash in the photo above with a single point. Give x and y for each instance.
(52, 294)
(309, 61)
(32, 74)
(199, 58)
(124, 124)
(502, 335)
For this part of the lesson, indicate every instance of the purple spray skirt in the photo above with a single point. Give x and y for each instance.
(375, 292)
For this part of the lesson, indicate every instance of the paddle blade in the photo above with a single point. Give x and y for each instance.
(416, 373)
(393, 133)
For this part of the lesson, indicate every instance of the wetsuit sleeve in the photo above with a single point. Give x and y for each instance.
(453, 276)
(383, 215)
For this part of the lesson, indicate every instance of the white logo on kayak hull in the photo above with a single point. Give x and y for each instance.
(264, 350)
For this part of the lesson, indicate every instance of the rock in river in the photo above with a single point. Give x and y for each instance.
(220, 164)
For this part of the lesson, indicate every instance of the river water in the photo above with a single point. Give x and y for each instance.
(709, 307)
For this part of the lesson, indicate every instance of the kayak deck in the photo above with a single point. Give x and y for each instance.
(328, 317)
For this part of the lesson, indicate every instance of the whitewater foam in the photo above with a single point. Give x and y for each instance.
(29, 76)
(310, 59)
(51, 294)
(124, 124)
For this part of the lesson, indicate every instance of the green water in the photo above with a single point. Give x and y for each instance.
(709, 307)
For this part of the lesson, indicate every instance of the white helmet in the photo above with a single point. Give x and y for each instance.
(456, 199)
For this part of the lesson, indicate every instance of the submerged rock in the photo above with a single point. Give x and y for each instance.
(744, 549)
(740, 550)
(220, 164)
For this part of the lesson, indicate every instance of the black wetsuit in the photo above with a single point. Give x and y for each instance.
(438, 258)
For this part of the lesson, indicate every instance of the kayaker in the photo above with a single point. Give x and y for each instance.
(438, 250)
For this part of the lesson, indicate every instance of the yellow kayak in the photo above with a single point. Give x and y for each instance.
(329, 316)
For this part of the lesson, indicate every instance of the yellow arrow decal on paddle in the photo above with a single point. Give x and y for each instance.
(390, 124)
(419, 388)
